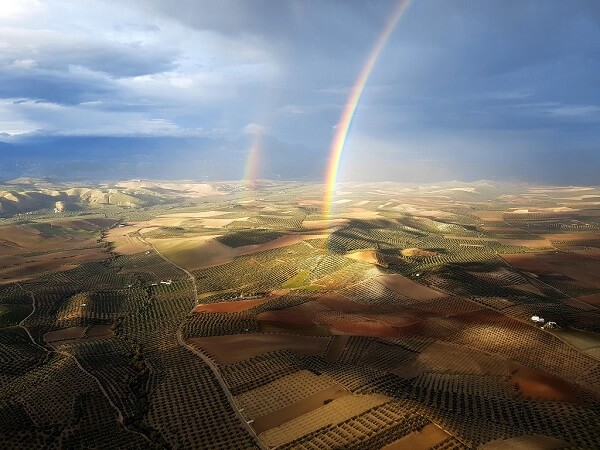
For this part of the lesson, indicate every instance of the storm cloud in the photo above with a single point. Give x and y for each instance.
(465, 88)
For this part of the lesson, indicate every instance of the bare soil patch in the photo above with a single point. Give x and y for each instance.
(534, 442)
(541, 385)
(194, 252)
(529, 243)
(313, 329)
(342, 316)
(371, 328)
(576, 266)
(337, 411)
(490, 216)
(362, 214)
(197, 214)
(297, 409)
(366, 256)
(592, 299)
(527, 261)
(343, 304)
(295, 316)
(19, 237)
(575, 303)
(310, 202)
(199, 252)
(99, 331)
(590, 252)
(237, 347)
(445, 357)
(427, 437)
(220, 223)
(64, 334)
(42, 237)
(417, 252)
(59, 261)
(577, 237)
(124, 240)
(407, 287)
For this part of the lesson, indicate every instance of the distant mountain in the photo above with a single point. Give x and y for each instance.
(96, 158)
(112, 158)
(30, 195)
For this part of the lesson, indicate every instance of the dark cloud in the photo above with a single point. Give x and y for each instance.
(55, 87)
(117, 59)
(476, 75)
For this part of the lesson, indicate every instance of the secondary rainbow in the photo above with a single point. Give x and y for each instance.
(343, 126)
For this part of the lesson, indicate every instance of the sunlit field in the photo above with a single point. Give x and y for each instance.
(250, 318)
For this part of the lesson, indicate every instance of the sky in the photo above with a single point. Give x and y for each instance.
(462, 89)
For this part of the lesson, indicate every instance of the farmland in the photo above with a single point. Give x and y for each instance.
(218, 316)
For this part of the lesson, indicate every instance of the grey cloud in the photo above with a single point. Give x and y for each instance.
(515, 73)
(52, 51)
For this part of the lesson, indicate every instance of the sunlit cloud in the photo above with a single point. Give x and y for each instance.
(20, 9)
(255, 128)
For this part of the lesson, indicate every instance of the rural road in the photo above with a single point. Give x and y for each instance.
(120, 417)
(206, 359)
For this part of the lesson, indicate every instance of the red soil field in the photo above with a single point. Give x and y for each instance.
(295, 316)
(576, 266)
(407, 287)
(342, 304)
(369, 328)
(341, 315)
(397, 320)
(592, 299)
(527, 261)
(541, 385)
(578, 238)
(577, 303)
(237, 347)
(591, 252)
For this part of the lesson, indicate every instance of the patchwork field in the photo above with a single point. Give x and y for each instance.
(196, 315)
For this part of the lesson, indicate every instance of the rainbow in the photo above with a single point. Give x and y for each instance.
(251, 171)
(343, 126)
